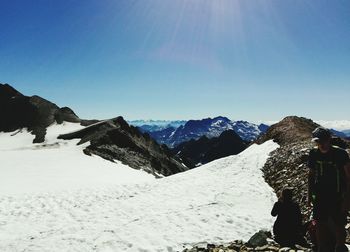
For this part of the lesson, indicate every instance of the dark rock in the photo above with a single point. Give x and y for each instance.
(290, 130)
(34, 113)
(205, 150)
(258, 239)
(115, 140)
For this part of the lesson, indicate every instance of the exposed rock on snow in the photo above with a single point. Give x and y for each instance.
(115, 140)
(34, 113)
(111, 139)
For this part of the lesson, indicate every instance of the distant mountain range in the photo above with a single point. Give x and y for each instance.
(174, 135)
(142, 146)
(156, 125)
(347, 132)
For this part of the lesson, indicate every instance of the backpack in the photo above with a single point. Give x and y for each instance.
(329, 174)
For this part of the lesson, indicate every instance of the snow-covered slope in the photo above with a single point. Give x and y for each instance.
(224, 200)
(55, 164)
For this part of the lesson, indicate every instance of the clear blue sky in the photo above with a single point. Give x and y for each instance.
(180, 59)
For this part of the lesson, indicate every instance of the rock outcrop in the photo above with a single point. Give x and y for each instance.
(197, 152)
(290, 130)
(111, 139)
(32, 112)
(114, 139)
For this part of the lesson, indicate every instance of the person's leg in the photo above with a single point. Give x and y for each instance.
(340, 232)
(321, 214)
(322, 236)
(340, 235)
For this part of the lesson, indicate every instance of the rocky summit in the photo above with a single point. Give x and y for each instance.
(32, 112)
(291, 129)
(115, 139)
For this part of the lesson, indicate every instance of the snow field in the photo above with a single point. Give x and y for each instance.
(224, 200)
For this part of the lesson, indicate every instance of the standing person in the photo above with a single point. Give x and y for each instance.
(329, 189)
(288, 225)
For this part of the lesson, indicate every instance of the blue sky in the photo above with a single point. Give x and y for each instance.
(181, 59)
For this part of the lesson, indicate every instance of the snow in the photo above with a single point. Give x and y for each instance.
(221, 201)
(56, 164)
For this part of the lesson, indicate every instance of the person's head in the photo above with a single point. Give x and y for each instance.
(322, 137)
(287, 194)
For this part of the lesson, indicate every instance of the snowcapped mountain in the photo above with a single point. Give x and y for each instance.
(337, 133)
(113, 139)
(209, 127)
(347, 132)
(156, 125)
(86, 204)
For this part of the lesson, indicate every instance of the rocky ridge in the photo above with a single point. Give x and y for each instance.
(115, 139)
(32, 112)
(111, 139)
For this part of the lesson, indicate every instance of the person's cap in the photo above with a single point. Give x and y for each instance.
(320, 134)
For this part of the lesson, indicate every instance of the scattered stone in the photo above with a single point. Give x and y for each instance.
(258, 239)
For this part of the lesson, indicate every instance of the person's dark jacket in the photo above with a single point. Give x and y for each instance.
(288, 225)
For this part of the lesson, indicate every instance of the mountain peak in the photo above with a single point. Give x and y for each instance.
(32, 112)
(7, 91)
(289, 130)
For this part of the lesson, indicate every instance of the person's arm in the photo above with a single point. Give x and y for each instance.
(311, 180)
(275, 209)
(299, 217)
(346, 204)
